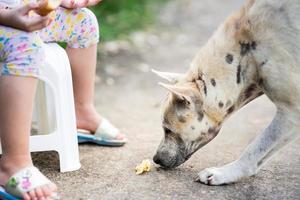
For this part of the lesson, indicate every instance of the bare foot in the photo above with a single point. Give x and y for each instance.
(87, 117)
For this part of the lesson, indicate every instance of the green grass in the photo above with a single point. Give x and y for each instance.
(118, 18)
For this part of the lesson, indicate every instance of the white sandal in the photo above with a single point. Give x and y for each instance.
(106, 135)
(24, 181)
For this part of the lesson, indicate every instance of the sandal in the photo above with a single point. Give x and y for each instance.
(22, 182)
(106, 134)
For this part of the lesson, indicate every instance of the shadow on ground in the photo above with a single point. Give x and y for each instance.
(128, 94)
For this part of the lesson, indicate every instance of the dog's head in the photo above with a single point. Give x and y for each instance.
(222, 78)
(186, 125)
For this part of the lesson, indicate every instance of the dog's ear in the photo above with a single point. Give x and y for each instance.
(249, 4)
(182, 92)
(239, 25)
(171, 77)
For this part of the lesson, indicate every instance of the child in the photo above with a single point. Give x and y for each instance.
(21, 37)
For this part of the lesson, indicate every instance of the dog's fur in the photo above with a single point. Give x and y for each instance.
(256, 51)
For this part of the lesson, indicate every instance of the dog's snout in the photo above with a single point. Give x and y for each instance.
(156, 159)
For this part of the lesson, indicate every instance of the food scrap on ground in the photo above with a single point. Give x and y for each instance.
(145, 166)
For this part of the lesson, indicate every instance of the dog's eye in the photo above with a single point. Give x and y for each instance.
(166, 130)
(182, 103)
(229, 58)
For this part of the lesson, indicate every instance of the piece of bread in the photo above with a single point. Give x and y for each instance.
(49, 6)
(145, 166)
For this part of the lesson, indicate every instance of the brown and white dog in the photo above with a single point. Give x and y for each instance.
(256, 51)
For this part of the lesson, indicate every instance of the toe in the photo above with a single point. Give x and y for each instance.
(120, 136)
(210, 180)
(52, 190)
(205, 177)
(32, 194)
(197, 179)
(26, 196)
(52, 187)
(39, 193)
(46, 191)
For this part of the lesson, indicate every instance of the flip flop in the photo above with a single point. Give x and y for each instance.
(106, 135)
(5, 196)
(22, 182)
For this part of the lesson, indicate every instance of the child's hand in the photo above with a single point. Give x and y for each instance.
(18, 18)
(71, 4)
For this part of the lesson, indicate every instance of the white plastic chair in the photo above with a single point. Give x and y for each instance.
(54, 110)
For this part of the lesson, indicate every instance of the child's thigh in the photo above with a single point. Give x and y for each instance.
(78, 27)
(21, 52)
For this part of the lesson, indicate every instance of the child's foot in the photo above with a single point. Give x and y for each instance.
(35, 186)
(88, 119)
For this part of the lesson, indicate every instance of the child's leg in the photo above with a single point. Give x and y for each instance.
(83, 82)
(79, 28)
(20, 52)
(15, 117)
(16, 104)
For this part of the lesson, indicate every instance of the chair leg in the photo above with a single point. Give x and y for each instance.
(61, 109)
(69, 160)
(42, 111)
(66, 124)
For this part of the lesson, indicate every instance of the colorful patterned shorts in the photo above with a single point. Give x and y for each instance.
(21, 52)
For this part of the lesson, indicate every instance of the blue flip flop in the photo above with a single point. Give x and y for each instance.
(5, 196)
(105, 135)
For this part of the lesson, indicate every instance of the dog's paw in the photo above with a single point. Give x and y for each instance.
(215, 176)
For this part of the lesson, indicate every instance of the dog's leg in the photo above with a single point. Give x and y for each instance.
(281, 131)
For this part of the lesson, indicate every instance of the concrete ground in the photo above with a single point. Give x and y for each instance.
(128, 94)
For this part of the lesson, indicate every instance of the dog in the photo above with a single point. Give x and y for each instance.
(256, 51)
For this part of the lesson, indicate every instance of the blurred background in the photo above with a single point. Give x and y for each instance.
(118, 18)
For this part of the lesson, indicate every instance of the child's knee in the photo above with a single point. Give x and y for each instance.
(23, 54)
(88, 31)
